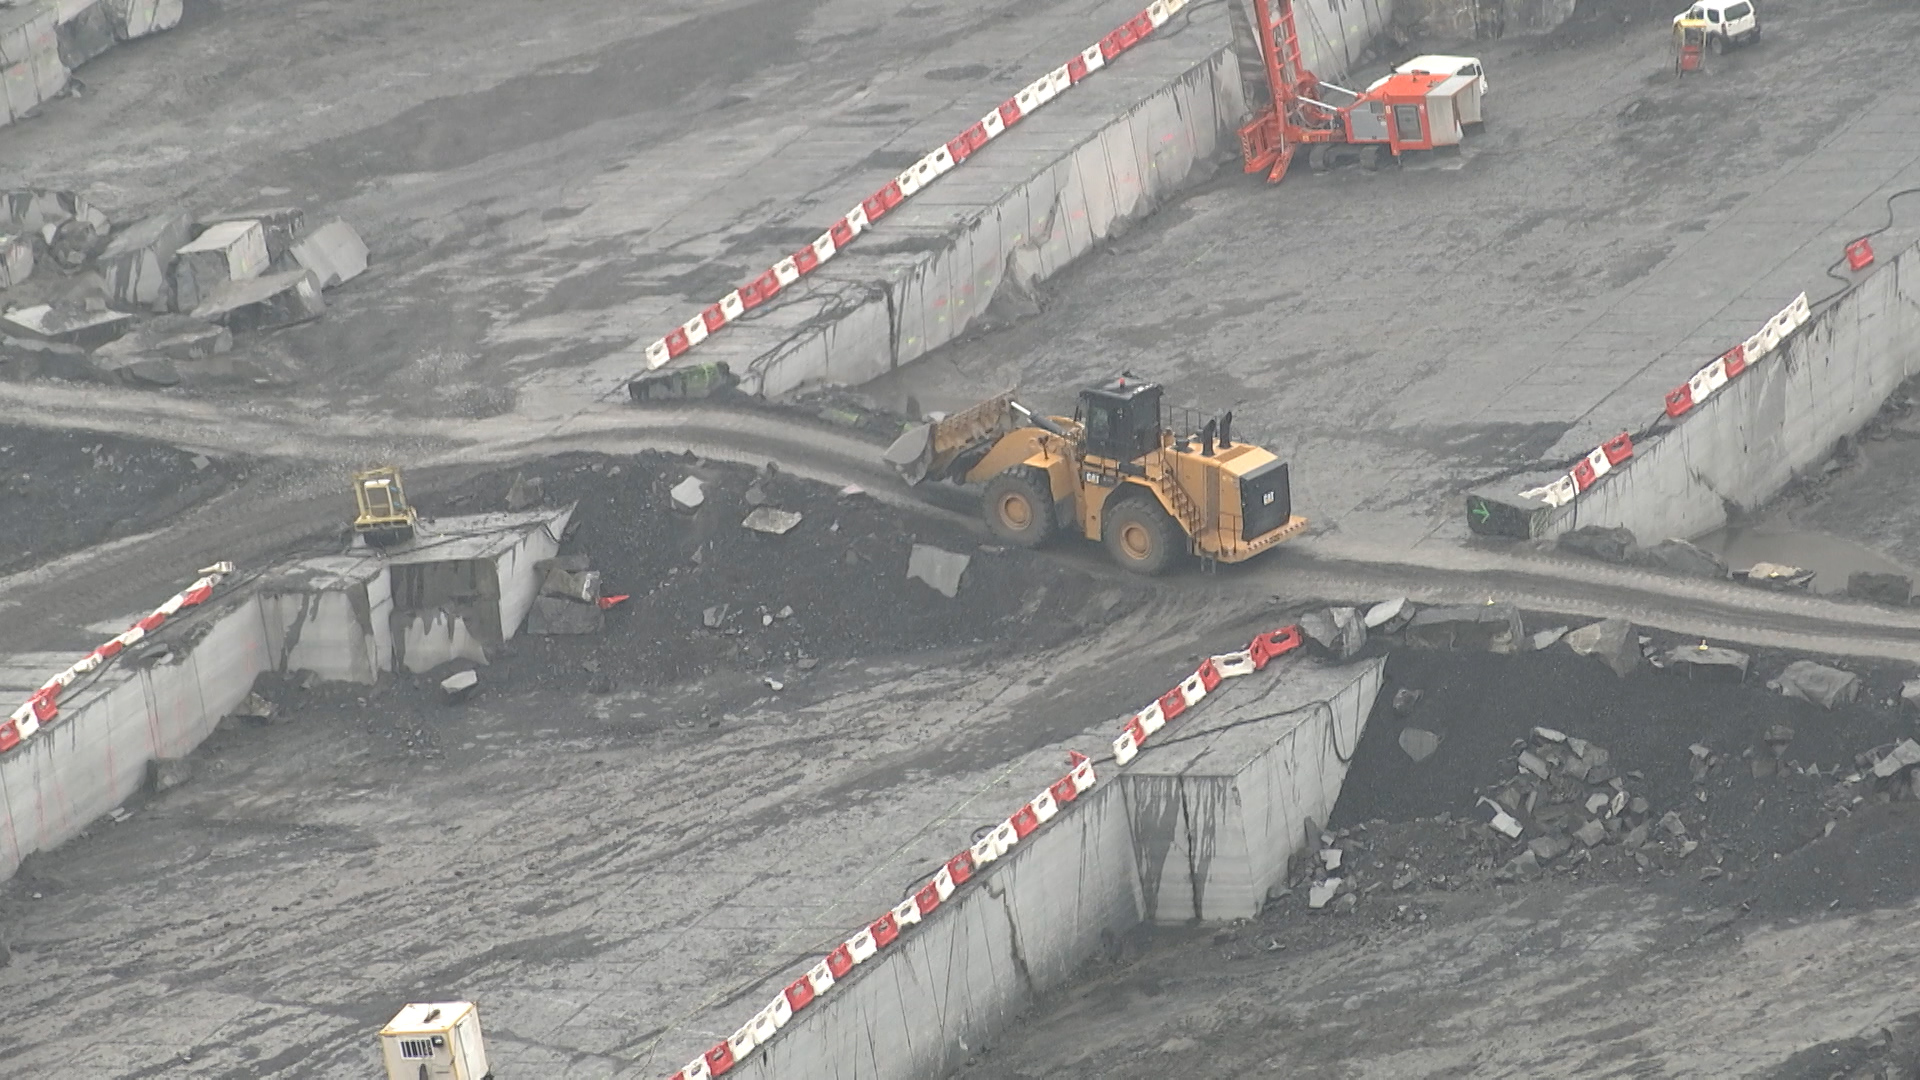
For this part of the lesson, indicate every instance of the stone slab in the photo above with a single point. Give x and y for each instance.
(264, 303)
(334, 253)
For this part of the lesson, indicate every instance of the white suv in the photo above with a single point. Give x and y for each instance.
(1729, 22)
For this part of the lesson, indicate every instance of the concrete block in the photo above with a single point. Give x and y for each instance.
(227, 252)
(68, 324)
(137, 18)
(1500, 510)
(280, 226)
(136, 259)
(554, 615)
(172, 337)
(1816, 683)
(1613, 642)
(265, 303)
(85, 31)
(16, 259)
(333, 252)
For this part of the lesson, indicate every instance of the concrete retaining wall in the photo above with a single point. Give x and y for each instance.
(331, 616)
(1747, 441)
(1037, 915)
(971, 250)
(95, 755)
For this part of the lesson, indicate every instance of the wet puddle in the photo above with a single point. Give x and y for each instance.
(1831, 558)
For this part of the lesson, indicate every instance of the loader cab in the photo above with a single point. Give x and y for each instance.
(1122, 418)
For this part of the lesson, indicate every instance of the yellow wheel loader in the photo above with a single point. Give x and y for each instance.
(1146, 480)
(385, 517)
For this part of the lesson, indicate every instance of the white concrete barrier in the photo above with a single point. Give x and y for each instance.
(1203, 823)
(95, 755)
(1779, 418)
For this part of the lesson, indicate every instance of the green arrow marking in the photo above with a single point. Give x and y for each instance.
(1479, 510)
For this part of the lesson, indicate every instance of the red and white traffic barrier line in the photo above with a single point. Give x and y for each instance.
(885, 931)
(1738, 359)
(937, 163)
(43, 706)
(1724, 369)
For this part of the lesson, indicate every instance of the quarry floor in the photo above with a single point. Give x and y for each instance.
(1396, 335)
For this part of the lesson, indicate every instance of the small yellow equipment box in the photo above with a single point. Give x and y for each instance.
(437, 1041)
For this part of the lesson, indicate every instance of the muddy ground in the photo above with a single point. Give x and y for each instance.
(1436, 963)
(65, 490)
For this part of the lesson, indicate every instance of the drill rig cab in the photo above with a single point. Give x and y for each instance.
(1148, 481)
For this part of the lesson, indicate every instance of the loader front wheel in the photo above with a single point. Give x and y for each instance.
(1140, 536)
(1019, 507)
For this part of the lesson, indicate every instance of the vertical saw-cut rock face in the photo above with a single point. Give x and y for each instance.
(16, 259)
(137, 18)
(134, 264)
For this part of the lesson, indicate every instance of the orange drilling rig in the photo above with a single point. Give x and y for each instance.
(1401, 114)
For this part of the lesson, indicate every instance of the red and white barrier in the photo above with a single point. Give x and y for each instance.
(1724, 369)
(1731, 363)
(1585, 473)
(1052, 801)
(42, 707)
(937, 163)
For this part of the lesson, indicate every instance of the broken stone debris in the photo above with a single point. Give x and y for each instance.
(525, 493)
(766, 519)
(1903, 756)
(256, 708)
(16, 258)
(1545, 639)
(1910, 693)
(459, 686)
(1491, 627)
(1548, 848)
(557, 615)
(1610, 641)
(1330, 858)
(228, 252)
(1682, 557)
(171, 337)
(1894, 589)
(165, 774)
(1816, 683)
(1595, 542)
(333, 253)
(1322, 893)
(270, 302)
(86, 325)
(1336, 632)
(1705, 661)
(1419, 743)
(135, 261)
(1776, 576)
(942, 570)
(1389, 616)
(689, 494)
(580, 586)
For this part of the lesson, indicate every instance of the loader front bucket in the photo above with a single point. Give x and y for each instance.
(911, 455)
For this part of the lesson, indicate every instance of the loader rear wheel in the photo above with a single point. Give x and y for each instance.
(1019, 507)
(1140, 536)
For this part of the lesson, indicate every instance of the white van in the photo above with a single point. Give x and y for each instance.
(1729, 22)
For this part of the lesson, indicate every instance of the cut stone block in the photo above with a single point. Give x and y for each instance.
(80, 325)
(282, 225)
(266, 303)
(228, 252)
(333, 252)
(1817, 683)
(85, 31)
(1613, 642)
(556, 615)
(171, 337)
(26, 32)
(135, 261)
(32, 211)
(16, 259)
(137, 18)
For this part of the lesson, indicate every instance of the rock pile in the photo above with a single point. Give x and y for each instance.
(569, 600)
(80, 299)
